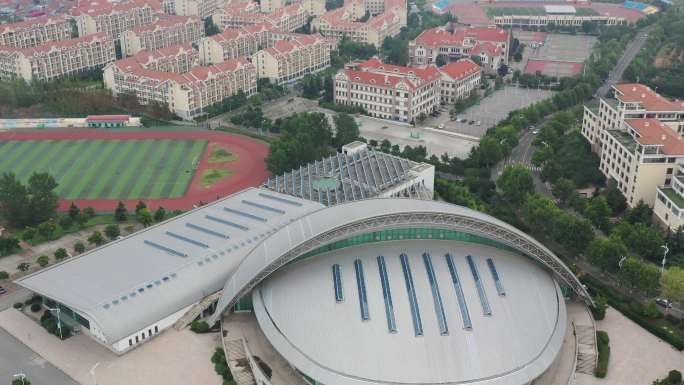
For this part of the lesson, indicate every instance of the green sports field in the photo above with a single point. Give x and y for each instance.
(108, 169)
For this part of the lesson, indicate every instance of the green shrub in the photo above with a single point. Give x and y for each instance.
(43, 260)
(20, 381)
(603, 353)
(60, 254)
(35, 307)
(674, 377)
(599, 309)
(199, 326)
(651, 311)
(79, 247)
(4, 275)
(18, 306)
(221, 365)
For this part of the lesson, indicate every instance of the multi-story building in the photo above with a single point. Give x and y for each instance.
(114, 18)
(162, 33)
(169, 7)
(290, 60)
(233, 43)
(345, 22)
(458, 80)
(186, 94)
(561, 15)
(488, 43)
(314, 7)
(35, 32)
(199, 8)
(57, 59)
(637, 134)
(669, 203)
(388, 91)
(178, 58)
(286, 19)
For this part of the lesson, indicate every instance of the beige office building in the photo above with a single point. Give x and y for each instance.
(290, 60)
(57, 59)
(458, 80)
(387, 91)
(238, 42)
(240, 14)
(114, 18)
(199, 8)
(314, 7)
(163, 33)
(33, 32)
(179, 58)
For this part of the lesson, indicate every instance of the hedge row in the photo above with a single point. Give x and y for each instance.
(627, 306)
(603, 354)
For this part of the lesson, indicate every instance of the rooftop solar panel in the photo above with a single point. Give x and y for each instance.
(225, 222)
(361, 286)
(411, 292)
(495, 276)
(387, 295)
(188, 240)
(436, 296)
(480, 287)
(465, 315)
(207, 231)
(164, 248)
(244, 214)
(263, 207)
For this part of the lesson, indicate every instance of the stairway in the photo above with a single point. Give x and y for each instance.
(586, 349)
(238, 362)
(196, 310)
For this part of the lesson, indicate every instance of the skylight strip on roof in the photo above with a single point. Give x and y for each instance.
(411, 292)
(337, 283)
(164, 248)
(361, 286)
(377, 163)
(244, 214)
(339, 167)
(206, 230)
(301, 181)
(351, 179)
(462, 304)
(436, 296)
(480, 288)
(188, 240)
(387, 295)
(277, 186)
(225, 222)
(308, 177)
(495, 275)
(263, 207)
(279, 199)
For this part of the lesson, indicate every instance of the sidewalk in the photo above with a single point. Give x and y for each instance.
(172, 358)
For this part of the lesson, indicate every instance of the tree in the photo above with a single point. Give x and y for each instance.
(615, 199)
(28, 234)
(672, 284)
(210, 28)
(47, 229)
(441, 60)
(159, 214)
(65, 222)
(4, 275)
(643, 240)
(73, 211)
(89, 212)
(598, 212)
(112, 231)
(346, 129)
(502, 70)
(145, 217)
(24, 266)
(120, 213)
(42, 197)
(638, 275)
(515, 183)
(641, 213)
(606, 253)
(79, 247)
(141, 205)
(96, 238)
(82, 218)
(43, 260)
(61, 253)
(305, 137)
(564, 189)
(14, 200)
(8, 245)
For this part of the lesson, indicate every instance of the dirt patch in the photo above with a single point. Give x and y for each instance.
(211, 176)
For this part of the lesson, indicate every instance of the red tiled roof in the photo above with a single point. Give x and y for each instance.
(196, 74)
(439, 36)
(30, 23)
(61, 44)
(103, 7)
(295, 41)
(649, 99)
(428, 74)
(107, 118)
(487, 48)
(144, 57)
(377, 79)
(168, 22)
(654, 132)
(460, 69)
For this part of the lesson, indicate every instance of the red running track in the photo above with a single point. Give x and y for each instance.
(248, 171)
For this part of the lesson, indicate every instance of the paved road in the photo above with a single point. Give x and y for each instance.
(15, 357)
(14, 294)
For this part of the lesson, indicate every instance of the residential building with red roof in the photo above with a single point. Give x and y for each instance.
(313, 7)
(238, 42)
(458, 80)
(179, 58)
(637, 134)
(31, 33)
(187, 94)
(491, 44)
(286, 19)
(57, 59)
(163, 33)
(346, 22)
(199, 8)
(290, 60)
(388, 91)
(94, 16)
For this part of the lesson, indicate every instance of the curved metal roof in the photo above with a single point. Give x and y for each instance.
(331, 224)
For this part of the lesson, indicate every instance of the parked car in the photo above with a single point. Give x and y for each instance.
(666, 303)
(471, 122)
(441, 126)
(2, 290)
(535, 131)
(478, 123)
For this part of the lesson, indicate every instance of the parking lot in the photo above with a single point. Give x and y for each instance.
(490, 111)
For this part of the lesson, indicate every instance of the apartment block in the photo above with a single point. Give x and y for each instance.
(290, 60)
(314, 7)
(563, 20)
(345, 22)
(199, 8)
(490, 44)
(638, 136)
(163, 33)
(178, 58)
(286, 19)
(669, 203)
(458, 80)
(186, 94)
(114, 18)
(388, 91)
(238, 42)
(35, 32)
(57, 59)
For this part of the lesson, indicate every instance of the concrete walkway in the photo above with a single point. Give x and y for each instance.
(637, 357)
(171, 358)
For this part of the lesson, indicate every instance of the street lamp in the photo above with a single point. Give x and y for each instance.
(662, 267)
(59, 322)
(92, 372)
(622, 260)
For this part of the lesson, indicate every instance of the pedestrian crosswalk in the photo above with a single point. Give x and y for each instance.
(528, 166)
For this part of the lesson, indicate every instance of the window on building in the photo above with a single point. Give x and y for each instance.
(136, 339)
(156, 329)
(130, 342)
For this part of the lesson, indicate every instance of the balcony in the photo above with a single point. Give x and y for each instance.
(672, 200)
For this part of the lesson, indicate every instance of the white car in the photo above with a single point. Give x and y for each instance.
(478, 123)
(535, 132)
(441, 126)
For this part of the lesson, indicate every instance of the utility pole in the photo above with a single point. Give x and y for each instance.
(662, 267)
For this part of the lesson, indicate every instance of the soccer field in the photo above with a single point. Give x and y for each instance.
(107, 169)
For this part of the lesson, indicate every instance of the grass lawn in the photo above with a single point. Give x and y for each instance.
(212, 175)
(220, 155)
(107, 169)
